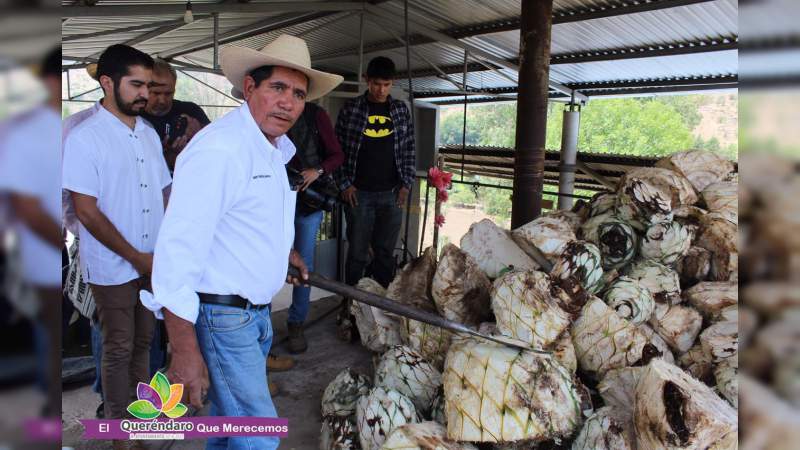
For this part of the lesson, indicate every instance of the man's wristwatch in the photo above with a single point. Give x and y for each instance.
(320, 171)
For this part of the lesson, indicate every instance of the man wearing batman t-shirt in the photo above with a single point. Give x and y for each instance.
(377, 137)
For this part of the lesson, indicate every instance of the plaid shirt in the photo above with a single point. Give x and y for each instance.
(350, 127)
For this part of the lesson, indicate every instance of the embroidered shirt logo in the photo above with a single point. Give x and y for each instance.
(255, 177)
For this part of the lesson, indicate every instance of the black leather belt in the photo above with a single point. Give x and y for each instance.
(229, 300)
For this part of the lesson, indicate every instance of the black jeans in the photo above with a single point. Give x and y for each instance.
(375, 222)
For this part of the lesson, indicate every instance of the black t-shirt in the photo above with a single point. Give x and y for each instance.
(376, 169)
(178, 108)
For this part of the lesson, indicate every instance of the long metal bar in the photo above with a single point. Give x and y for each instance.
(464, 119)
(413, 123)
(253, 29)
(71, 97)
(150, 35)
(595, 175)
(69, 87)
(400, 309)
(360, 75)
(210, 86)
(529, 153)
(206, 8)
(436, 68)
(328, 23)
(510, 188)
(424, 216)
(146, 26)
(216, 40)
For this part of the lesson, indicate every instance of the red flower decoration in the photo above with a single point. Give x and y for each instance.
(442, 196)
(438, 221)
(439, 178)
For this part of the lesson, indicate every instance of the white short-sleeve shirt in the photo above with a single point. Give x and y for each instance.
(126, 172)
(30, 164)
(67, 125)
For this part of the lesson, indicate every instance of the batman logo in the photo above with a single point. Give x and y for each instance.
(374, 128)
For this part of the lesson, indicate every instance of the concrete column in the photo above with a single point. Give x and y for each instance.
(536, 20)
(569, 154)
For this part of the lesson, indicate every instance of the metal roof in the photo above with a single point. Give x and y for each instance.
(593, 41)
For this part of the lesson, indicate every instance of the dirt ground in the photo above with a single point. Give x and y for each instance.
(300, 389)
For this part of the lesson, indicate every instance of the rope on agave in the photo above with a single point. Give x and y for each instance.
(403, 310)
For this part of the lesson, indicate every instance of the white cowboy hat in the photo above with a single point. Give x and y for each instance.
(286, 51)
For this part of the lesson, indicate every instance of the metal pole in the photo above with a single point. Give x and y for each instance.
(69, 89)
(360, 75)
(216, 39)
(404, 310)
(536, 21)
(413, 123)
(464, 125)
(569, 154)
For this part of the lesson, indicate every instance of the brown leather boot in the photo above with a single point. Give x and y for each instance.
(297, 342)
(277, 363)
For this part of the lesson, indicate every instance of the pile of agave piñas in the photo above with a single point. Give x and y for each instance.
(639, 315)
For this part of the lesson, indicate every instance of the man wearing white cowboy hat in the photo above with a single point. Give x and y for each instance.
(226, 238)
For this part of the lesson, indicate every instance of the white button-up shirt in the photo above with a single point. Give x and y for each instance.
(229, 226)
(31, 165)
(70, 218)
(126, 172)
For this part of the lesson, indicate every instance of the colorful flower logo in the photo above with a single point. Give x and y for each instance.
(158, 397)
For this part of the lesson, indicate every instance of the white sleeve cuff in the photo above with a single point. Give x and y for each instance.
(184, 303)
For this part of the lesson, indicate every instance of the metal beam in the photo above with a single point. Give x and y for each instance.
(150, 35)
(476, 52)
(206, 8)
(615, 87)
(146, 26)
(657, 82)
(260, 27)
(650, 51)
(512, 24)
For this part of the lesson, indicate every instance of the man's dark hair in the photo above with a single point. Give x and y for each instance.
(261, 73)
(117, 59)
(381, 67)
(51, 64)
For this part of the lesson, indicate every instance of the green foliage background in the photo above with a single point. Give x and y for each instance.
(656, 126)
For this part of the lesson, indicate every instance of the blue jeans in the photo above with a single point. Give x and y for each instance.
(375, 222)
(234, 343)
(305, 242)
(157, 355)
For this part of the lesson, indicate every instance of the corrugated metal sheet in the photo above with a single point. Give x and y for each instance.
(702, 21)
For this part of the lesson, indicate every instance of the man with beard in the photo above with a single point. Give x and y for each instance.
(168, 115)
(116, 176)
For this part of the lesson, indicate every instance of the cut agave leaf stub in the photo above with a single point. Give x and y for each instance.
(630, 300)
(618, 242)
(582, 260)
